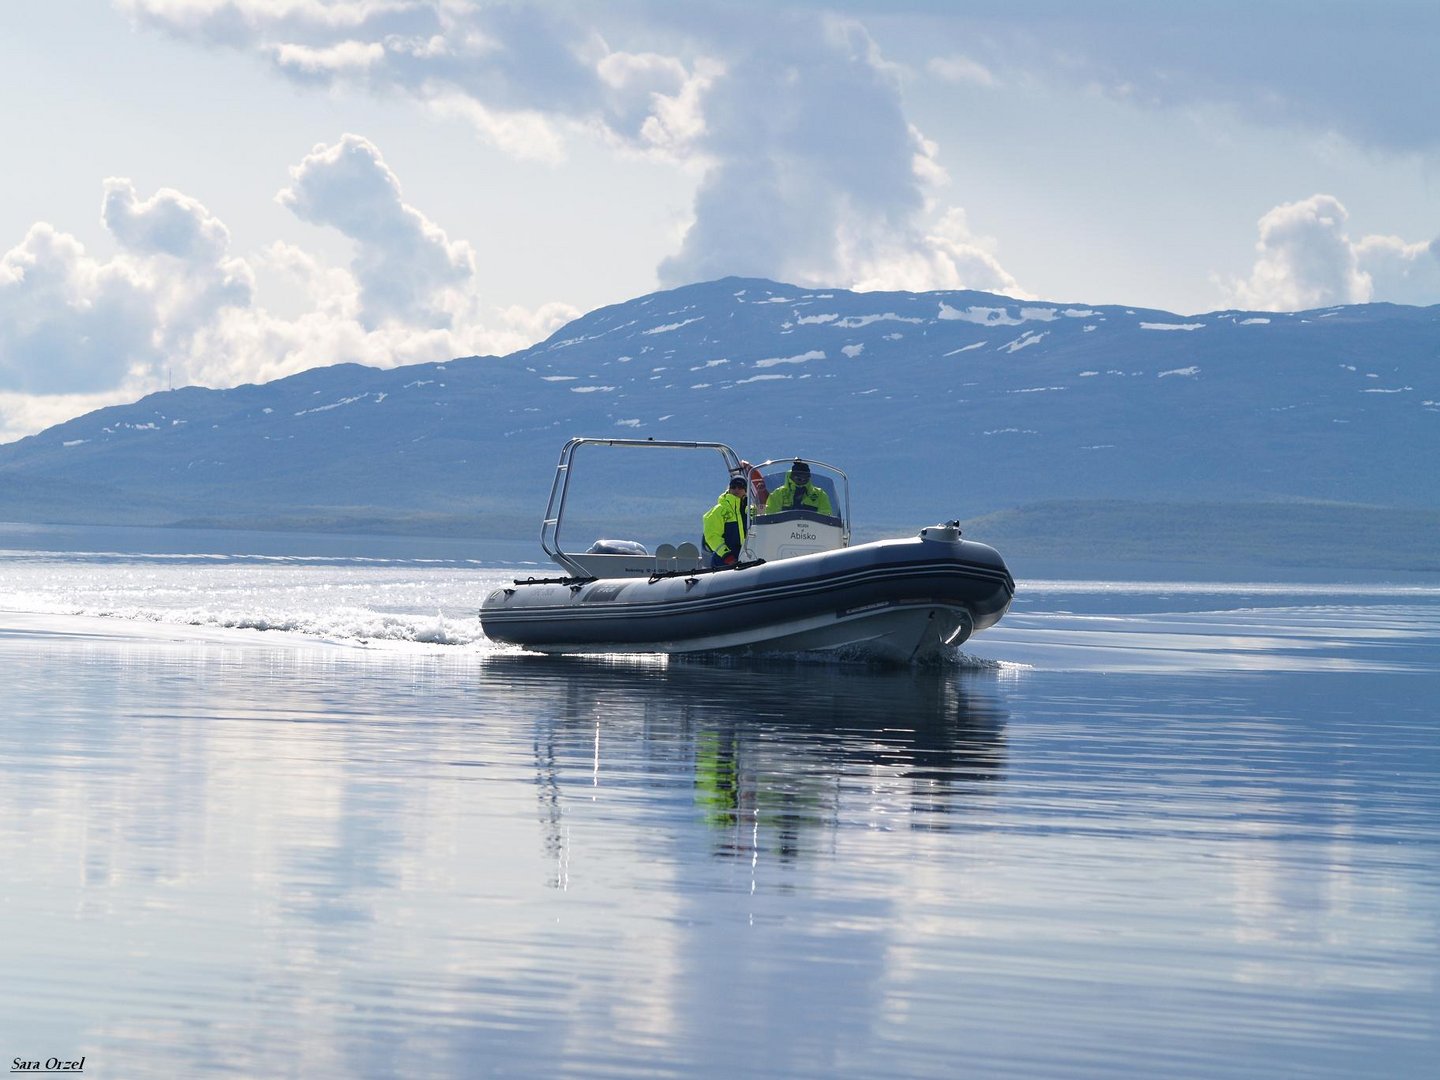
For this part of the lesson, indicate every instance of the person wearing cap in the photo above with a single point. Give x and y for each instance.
(724, 525)
(798, 493)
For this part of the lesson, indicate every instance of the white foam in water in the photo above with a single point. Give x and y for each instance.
(357, 601)
(358, 624)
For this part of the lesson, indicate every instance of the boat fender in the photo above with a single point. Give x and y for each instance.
(617, 547)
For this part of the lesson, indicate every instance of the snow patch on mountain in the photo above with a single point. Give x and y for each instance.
(334, 405)
(855, 322)
(669, 327)
(802, 358)
(985, 316)
(1024, 341)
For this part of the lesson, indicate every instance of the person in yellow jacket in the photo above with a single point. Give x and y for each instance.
(798, 493)
(724, 525)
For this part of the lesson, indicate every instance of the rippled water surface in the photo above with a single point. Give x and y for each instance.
(1138, 829)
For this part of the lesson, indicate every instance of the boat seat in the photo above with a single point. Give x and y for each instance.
(687, 550)
(665, 552)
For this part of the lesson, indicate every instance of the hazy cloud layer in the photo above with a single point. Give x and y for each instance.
(1305, 259)
(1363, 71)
(176, 305)
(515, 70)
(811, 171)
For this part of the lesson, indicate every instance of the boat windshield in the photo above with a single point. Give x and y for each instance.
(797, 506)
(797, 484)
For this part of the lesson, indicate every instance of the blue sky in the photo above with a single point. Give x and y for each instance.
(228, 191)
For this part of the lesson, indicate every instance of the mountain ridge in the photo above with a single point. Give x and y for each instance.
(940, 404)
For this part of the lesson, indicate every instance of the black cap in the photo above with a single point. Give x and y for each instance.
(737, 482)
(800, 469)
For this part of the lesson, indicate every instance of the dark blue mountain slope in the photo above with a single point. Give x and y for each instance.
(941, 404)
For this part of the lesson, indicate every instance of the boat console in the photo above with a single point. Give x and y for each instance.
(774, 532)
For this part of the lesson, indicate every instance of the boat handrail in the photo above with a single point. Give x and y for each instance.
(661, 575)
(555, 508)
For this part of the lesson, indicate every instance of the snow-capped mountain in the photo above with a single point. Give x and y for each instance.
(939, 404)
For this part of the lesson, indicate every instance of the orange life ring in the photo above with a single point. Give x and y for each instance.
(757, 483)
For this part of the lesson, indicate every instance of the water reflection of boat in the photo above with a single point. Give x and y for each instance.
(797, 584)
(770, 755)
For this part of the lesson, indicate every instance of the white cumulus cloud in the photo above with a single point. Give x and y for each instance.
(168, 223)
(1306, 259)
(947, 256)
(68, 323)
(176, 305)
(182, 252)
(407, 268)
(1401, 272)
(817, 177)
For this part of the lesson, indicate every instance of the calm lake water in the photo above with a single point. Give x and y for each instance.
(277, 808)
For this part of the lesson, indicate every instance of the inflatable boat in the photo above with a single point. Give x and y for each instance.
(797, 585)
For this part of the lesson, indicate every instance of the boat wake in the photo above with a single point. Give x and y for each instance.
(343, 624)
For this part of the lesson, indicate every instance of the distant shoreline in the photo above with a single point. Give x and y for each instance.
(1098, 540)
